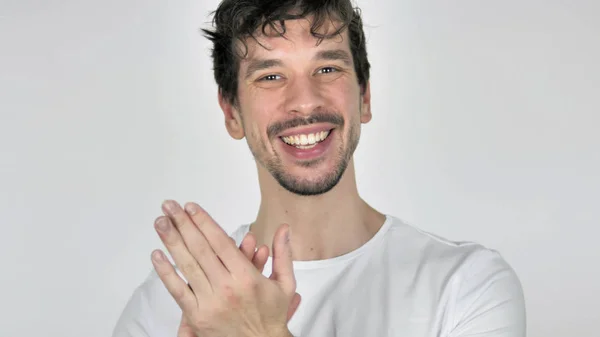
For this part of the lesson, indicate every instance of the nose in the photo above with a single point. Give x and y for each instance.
(303, 97)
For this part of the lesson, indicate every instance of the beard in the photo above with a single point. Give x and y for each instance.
(325, 181)
(307, 187)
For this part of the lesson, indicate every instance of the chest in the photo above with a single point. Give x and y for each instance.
(375, 299)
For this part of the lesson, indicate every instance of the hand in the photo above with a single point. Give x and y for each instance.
(229, 291)
(259, 259)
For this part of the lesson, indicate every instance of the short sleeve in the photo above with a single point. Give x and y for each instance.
(132, 322)
(490, 300)
(150, 312)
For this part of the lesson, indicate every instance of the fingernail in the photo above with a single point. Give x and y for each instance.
(192, 208)
(158, 256)
(170, 206)
(162, 225)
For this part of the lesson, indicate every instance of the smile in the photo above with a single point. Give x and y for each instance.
(306, 141)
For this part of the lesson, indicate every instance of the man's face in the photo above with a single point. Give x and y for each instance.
(300, 107)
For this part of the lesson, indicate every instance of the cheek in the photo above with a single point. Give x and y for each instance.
(253, 111)
(257, 119)
(347, 99)
(342, 89)
(264, 111)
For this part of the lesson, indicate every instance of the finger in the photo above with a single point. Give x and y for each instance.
(259, 260)
(177, 287)
(229, 254)
(183, 259)
(196, 244)
(283, 269)
(248, 245)
(294, 306)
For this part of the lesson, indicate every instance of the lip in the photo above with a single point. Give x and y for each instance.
(304, 130)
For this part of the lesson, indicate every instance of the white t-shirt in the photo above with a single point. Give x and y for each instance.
(403, 282)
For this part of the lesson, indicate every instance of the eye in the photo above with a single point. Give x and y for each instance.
(269, 78)
(327, 70)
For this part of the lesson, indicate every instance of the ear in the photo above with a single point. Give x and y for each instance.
(233, 121)
(365, 111)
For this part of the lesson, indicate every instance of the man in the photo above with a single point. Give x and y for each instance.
(293, 79)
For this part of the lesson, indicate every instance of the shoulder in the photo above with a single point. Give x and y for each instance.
(466, 261)
(418, 246)
(478, 288)
(487, 296)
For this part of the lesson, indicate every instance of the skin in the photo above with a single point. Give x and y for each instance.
(316, 199)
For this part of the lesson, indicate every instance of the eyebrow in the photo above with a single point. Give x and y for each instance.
(260, 64)
(335, 55)
(329, 55)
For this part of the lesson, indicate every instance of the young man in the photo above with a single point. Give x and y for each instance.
(293, 79)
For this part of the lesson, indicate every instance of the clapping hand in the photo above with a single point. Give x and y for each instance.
(226, 294)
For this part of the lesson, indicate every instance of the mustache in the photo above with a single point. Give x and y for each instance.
(319, 117)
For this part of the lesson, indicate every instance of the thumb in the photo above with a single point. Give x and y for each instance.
(283, 269)
(293, 306)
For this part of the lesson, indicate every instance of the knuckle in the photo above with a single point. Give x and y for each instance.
(180, 220)
(219, 246)
(203, 253)
(204, 250)
(164, 270)
(230, 296)
(178, 294)
(249, 283)
(188, 268)
(200, 218)
(224, 246)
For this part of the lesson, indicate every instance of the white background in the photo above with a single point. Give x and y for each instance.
(485, 128)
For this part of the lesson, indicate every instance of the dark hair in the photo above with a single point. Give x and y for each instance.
(237, 20)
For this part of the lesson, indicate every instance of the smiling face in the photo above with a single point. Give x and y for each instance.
(299, 106)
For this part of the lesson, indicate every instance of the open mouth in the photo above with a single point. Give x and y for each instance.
(306, 141)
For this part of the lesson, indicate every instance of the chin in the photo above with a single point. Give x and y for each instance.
(311, 180)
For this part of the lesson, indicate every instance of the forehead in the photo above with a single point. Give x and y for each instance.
(298, 38)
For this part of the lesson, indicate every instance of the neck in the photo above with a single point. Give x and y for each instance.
(322, 226)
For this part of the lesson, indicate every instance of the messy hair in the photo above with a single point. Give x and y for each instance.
(237, 20)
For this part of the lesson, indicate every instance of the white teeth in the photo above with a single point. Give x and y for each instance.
(306, 147)
(306, 141)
